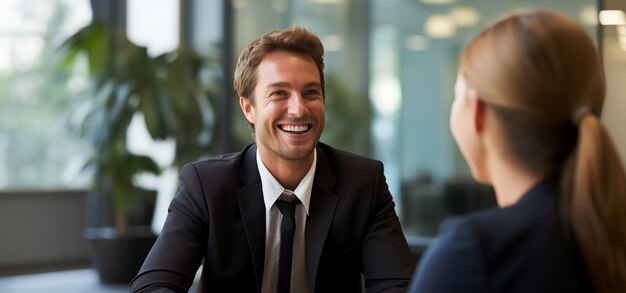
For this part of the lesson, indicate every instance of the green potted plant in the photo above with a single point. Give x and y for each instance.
(174, 97)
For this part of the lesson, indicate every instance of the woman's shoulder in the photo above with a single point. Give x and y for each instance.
(536, 213)
(524, 246)
(456, 252)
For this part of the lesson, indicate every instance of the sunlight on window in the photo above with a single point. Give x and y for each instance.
(154, 24)
(36, 146)
(26, 52)
(9, 20)
(5, 55)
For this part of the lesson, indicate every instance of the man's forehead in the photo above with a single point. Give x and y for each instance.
(286, 52)
(284, 70)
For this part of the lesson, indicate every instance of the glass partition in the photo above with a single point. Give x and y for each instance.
(414, 57)
(614, 57)
(391, 66)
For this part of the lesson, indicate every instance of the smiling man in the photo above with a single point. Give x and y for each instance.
(287, 213)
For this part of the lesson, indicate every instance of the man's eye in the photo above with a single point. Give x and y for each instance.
(312, 93)
(279, 94)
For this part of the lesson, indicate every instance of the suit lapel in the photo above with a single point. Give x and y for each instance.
(321, 214)
(252, 209)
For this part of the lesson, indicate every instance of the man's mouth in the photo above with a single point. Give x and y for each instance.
(294, 128)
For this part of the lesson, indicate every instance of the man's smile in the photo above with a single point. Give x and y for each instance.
(294, 128)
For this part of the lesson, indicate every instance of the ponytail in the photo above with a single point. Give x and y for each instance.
(593, 190)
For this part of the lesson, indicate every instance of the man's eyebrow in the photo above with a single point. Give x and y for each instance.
(285, 84)
(313, 84)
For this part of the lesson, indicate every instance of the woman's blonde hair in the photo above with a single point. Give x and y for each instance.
(542, 75)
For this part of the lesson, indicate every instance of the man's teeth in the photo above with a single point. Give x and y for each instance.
(293, 128)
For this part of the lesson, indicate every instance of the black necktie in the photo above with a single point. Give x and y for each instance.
(287, 230)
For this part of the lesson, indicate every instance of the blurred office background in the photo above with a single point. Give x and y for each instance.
(390, 70)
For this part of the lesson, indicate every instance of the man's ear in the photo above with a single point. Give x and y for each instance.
(247, 108)
(479, 110)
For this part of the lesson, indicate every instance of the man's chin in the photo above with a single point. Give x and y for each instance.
(300, 153)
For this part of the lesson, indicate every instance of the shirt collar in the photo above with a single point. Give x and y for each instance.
(547, 186)
(272, 188)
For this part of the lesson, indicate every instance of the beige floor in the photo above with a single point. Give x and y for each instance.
(72, 281)
(75, 281)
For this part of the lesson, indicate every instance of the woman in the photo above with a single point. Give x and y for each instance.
(525, 116)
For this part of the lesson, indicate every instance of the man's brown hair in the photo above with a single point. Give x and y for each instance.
(293, 39)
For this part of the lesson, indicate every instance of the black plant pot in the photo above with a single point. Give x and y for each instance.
(118, 257)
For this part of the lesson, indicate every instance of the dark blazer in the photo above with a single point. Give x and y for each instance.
(521, 248)
(219, 216)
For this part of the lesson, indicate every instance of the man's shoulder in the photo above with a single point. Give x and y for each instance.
(219, 159)
(345, 157)
(219, 163)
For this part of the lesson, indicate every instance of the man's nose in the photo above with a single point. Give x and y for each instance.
(297, 105)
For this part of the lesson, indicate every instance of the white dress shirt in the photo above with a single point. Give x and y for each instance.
(271, 192)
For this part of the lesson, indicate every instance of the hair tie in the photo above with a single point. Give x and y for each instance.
(580, 113)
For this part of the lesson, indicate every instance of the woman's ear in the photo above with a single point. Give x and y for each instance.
(478, 108)
(247, 108)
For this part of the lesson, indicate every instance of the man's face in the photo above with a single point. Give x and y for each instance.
(287, 109)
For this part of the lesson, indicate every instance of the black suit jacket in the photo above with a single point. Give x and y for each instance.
(522, 248)
(219, 216)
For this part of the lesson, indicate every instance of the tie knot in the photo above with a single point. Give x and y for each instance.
(286, 207)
